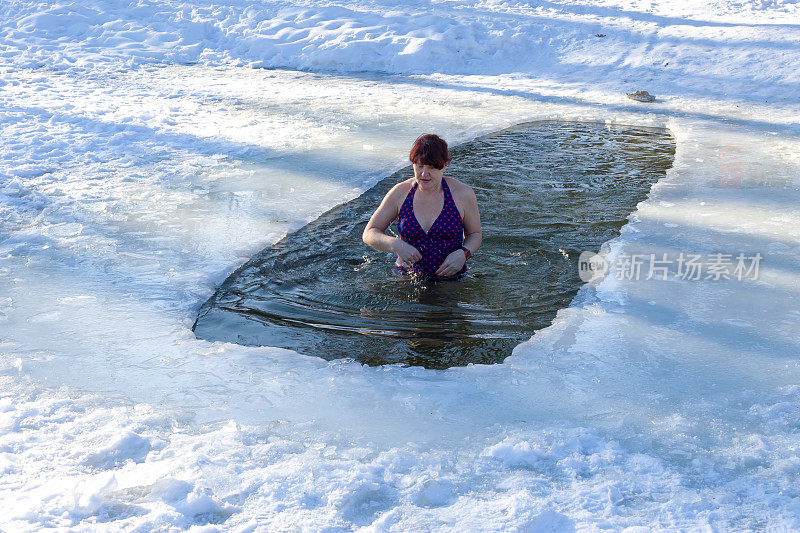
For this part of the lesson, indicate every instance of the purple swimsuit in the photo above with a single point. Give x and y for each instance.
(443, 238)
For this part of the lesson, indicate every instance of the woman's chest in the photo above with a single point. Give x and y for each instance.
(428, 210)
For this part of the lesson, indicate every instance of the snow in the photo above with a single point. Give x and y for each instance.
(143, 158)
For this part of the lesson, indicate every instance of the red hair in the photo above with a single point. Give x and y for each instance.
(430, 149)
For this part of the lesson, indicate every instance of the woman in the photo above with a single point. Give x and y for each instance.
(439, 222)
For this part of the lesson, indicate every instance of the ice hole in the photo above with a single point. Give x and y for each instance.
(546, 191)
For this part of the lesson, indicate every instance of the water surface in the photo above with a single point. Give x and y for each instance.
(546, 192)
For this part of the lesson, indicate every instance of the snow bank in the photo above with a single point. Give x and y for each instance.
(695, 45)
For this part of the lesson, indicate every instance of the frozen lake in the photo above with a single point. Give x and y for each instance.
(128, 198)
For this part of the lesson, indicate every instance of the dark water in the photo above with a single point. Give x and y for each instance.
(542, 188)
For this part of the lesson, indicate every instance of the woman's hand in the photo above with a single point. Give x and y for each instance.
(406, 253)
(452, 263)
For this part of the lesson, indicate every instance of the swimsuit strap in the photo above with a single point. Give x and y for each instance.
(409, 195)
(446, 189)
(448, 195)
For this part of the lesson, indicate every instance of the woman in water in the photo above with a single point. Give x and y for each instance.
(439, 222)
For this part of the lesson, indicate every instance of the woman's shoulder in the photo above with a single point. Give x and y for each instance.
(397, 194)
(459, 189)
(401, 189)
(404, 185)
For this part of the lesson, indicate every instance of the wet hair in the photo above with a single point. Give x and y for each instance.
(430, 149)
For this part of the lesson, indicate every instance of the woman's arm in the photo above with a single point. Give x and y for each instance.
(473, 236)
(375, 233)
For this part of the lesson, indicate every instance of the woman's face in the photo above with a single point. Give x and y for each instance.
(428, 178)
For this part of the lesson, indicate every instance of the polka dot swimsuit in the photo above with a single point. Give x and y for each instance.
(444, 237)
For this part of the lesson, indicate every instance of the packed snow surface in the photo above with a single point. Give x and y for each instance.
(144, 155)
